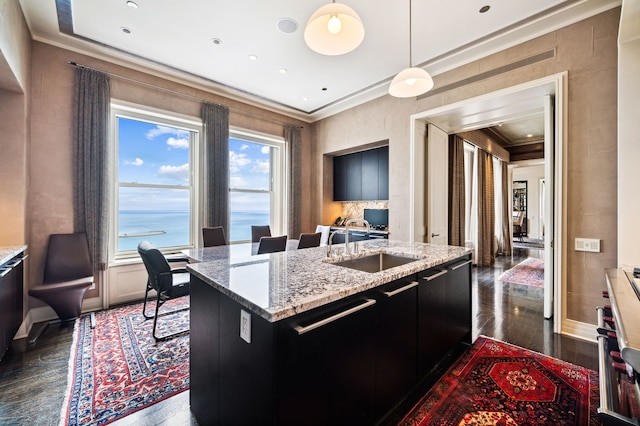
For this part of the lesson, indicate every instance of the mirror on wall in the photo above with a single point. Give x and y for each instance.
(520, 208)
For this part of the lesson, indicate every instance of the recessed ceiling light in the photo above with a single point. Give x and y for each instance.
(253, 57)
(132, 4)
(484, 9)
(305, 99)
(216, 41)
(125, 30)
(529, 135)
(287, 25)
(283, 70)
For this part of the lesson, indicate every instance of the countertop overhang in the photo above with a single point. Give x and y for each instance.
(9, 252)
(279, 285)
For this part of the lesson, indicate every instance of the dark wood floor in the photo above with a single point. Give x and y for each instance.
(33, 378)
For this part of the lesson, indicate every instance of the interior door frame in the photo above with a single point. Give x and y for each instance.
(417, 173)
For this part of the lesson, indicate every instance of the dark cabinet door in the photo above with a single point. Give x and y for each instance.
(432, 319)
(370, 175)
(354, 176)
(396, 343)
(326, 370)
(383, 173)
(444, 311)
(340, 178)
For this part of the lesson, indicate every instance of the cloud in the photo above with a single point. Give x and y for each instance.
(261, 167)
(237, 182)
(265, 149)
(166, 130)
(136, 162)
(175, 172)
(236, 161)
(244, 147)
(178, 143)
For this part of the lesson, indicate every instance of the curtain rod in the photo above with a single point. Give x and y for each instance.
(184, 95)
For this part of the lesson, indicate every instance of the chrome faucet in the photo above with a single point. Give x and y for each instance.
(346, 235)
(329, 254)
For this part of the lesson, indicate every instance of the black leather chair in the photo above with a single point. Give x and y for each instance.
(258, 232)
(68, 274)
(213, 236)
(169, 283)
(309, 240)
(272, 244)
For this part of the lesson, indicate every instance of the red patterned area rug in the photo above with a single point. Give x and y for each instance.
(529, 272)
(497, 383)
(117, 368)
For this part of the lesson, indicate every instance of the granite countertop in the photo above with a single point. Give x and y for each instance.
(9, 252)
(279, 285)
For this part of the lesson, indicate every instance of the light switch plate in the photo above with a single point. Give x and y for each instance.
(588, 244)
(245, 325)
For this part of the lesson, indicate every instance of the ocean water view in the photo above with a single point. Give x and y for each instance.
(171, 228)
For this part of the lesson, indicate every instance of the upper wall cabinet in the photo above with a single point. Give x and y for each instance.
(362, 175)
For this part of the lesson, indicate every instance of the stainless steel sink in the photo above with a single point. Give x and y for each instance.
(375, 262)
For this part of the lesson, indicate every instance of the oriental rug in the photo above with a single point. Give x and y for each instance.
(529, 272)
(117, 368)
(496, 383)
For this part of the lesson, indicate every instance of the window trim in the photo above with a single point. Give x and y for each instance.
(278, 177)
(144, 113)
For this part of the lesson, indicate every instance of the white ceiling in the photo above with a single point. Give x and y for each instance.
(175, 38)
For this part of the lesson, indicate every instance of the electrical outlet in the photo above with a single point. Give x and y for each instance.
(245, 325)
(588, 244)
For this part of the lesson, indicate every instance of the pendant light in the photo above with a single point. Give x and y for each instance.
(334, 29)
(411, 81)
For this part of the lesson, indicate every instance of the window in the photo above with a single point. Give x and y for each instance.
(256, 184)
(154, 171)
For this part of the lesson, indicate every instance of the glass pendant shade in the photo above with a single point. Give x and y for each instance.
(410, 82)
(334, 29)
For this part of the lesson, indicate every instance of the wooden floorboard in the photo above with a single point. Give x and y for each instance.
(33, 378)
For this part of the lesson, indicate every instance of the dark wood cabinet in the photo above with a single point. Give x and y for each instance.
(444, 311)
(326, 372)
(11, 300)
(383, 173)
(340, 178)
(354, 177)
(352, 361)
(396, 343)
(362, 175)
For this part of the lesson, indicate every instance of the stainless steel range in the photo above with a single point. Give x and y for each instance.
(619, 350)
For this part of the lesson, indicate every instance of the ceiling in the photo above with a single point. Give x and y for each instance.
(177, 39)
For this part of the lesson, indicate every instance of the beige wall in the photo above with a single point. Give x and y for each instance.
(15, 59)
(588, 51)
(51, 192)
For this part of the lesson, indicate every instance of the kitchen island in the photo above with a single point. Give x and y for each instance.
(296, 338)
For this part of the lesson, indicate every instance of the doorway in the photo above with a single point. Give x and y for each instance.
(487, 110)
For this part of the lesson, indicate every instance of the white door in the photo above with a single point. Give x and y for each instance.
(549, 232)
(437, 186)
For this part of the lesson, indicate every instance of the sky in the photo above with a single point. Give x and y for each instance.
(156, 154)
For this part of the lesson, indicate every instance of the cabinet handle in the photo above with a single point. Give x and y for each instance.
(4, 272)
(460, 265)
(301, 330)
(434, 276)
(412, 284)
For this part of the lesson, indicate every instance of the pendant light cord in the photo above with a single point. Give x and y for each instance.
(410, 43)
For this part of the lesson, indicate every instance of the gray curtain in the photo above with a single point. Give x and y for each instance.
(216, 138)
(457, 212)
(486, 210)
(91, 166)
(506, 212)
(293, 140)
